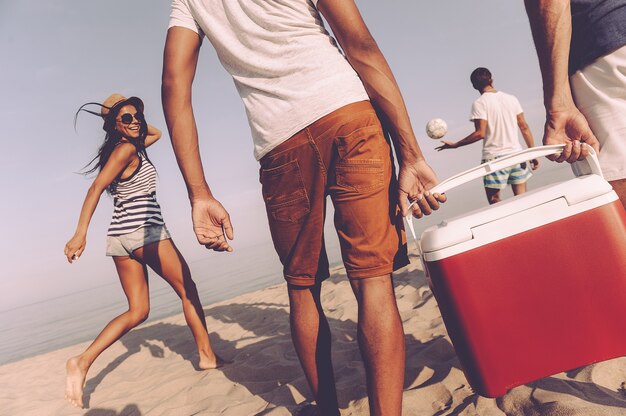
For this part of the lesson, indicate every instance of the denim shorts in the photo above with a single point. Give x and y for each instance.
(345, 155)
(124, 245)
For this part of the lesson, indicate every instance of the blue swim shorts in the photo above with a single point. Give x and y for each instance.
(513, 175)
(124, 245)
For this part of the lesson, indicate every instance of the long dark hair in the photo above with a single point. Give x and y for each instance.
(112, 138)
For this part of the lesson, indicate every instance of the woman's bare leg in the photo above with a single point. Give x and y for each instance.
(165, 259)
(134, 281)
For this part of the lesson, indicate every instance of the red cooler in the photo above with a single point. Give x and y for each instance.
(536, 284)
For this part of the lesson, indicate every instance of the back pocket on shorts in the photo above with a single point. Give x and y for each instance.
(284, 192)
(360, 165)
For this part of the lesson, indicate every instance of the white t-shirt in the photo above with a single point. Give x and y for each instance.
(500, 110)
(288, 70)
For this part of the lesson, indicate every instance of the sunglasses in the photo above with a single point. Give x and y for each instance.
(127, 118)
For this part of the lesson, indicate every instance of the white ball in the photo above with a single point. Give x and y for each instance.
(436, 128)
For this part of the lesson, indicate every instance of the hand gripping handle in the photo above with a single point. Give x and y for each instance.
(583, 167)
(587, 166)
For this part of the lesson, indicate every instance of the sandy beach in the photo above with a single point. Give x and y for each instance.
(151, 371)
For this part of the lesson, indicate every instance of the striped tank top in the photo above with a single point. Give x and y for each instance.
(135, 201)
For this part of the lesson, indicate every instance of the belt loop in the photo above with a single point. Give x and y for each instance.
(309, 136)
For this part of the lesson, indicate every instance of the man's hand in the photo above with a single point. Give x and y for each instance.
(534, 164)
(414, 181)
(569, 127)
(445, 145)
(211, 223)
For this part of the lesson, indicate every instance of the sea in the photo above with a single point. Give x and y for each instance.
(77, 317)
(74, 318)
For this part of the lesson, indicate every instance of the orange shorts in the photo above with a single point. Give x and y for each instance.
(345, 155)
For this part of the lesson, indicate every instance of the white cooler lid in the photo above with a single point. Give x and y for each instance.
(515, 215)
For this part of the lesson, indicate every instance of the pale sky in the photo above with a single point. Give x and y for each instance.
(57, 55)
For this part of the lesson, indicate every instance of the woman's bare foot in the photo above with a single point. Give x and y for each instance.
(210, 361)
(75, 381)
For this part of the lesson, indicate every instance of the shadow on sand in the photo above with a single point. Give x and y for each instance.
(263, 360)
(130, 410)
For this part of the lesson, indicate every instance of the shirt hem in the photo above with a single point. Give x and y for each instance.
(300, 126)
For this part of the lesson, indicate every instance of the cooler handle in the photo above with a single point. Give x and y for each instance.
(587, 166)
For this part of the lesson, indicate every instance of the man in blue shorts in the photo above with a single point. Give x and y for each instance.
(497, 116)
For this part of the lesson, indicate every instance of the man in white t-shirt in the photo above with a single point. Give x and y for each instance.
(313, 113)
(497, 116)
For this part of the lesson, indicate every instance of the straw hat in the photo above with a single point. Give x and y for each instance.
(117, 101)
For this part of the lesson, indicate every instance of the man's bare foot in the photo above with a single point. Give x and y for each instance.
(74, 382)
(212, 361)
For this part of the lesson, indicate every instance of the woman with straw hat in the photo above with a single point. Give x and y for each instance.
(137, 236)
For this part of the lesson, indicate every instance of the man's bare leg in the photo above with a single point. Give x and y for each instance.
(381, 340)
(620, 189)
(519, 188)
(493, 195)
(311, 338)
